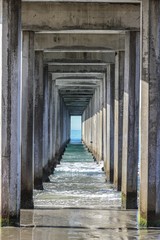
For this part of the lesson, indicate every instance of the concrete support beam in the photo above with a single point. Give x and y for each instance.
(109, 164)
(106, 1)
(118, 118)
(77, 68)
(79, 41)
(84, 16)
(130, 122)
(149, 208)
(77, 74)
(38, 120)
(28, 63)
(81, 57)
(10, 62)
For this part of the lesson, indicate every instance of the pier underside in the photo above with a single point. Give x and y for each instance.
(98, 60)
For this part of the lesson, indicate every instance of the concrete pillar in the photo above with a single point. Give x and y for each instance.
(118, 118)
(57, 122)
(104, 118)
(64, 125)
(97, 124)
(149, 207)
(90, 125)
(130, 122)
(100, 122)
(68, 125)
(96, 140)
(28, 63)
(87, 125)
(10, 63)
(50, 118)
(46, 171)
(61, 123)
(83, 126)
(53, 120)
(38, 120)
(109, 166)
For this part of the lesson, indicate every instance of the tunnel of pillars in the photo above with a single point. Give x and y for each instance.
(63, 59)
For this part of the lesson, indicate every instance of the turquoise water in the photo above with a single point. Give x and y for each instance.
(75, 135)
(77, 182)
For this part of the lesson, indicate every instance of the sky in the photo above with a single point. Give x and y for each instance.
(75, 122)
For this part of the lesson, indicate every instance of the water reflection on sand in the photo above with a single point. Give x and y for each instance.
(54, 233)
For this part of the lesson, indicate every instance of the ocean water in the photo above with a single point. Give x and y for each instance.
(76, 135)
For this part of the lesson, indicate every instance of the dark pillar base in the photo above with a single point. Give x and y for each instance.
(38, 184)
(46, 173)
(109, 176)
(118, 184)
(129, 201)
(27, 200)
(13, 221)
(151, 220)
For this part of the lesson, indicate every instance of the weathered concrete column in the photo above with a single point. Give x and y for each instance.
(101, 121)
(46, 171)
(118, 118)
(130, 122)
(109, 165)
(83, 126)
(57, 122)
(87, 125)
(105, 118)
(149, 208)
(38, 120)
(61, 123)
(95, 125)
(50, 118)
(28, 62)
(69, 125)
(10, 63)
(53, 120)
(96, 140)
(65, 125)
(90, 126)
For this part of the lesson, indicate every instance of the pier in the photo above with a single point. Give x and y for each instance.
(94, 59)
